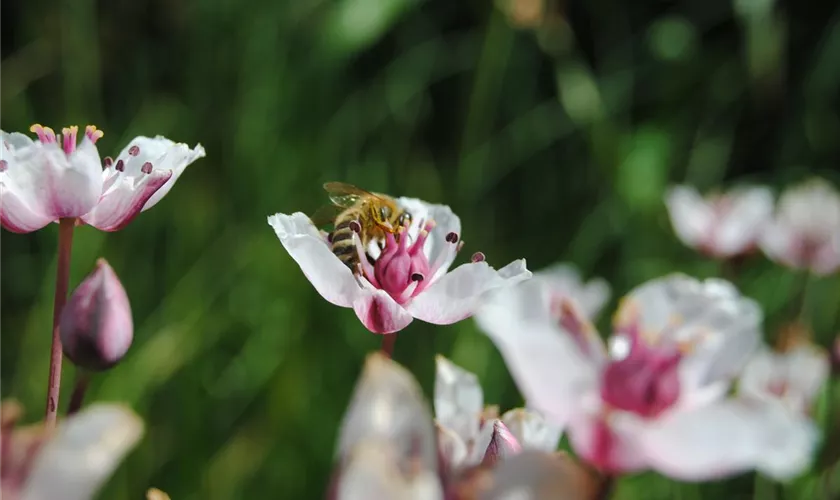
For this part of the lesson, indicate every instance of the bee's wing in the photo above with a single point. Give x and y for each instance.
(325, 215)
(346, 195)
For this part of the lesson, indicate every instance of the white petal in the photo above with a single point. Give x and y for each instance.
(730, 437)
(124, 200)
(779, 243)
(691, 216)
(76, 182)
(457, 294)
(459, 400)
(453, 450)
(447, 222)
(564, 280)
(372, 471)
(164, 155)
(330, 277)
(86, 449)
(387, 406)
(546, 364)
(743, 220)
(531, 430)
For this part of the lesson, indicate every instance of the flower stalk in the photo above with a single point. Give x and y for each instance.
(79, 391)
(388, 342)
(62, 279)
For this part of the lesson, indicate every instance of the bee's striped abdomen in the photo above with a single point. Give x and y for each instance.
(343, 245)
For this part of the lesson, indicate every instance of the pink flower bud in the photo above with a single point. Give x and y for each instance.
(503, 444)
(96, 326)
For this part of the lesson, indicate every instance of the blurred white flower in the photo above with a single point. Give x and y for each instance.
(805, 233)
(71, 463)
(565, 281)
(469, 433)
(660, 402)
(722, 225)
(386, 443)
(793, 377)
(410, 277)
(52, 178)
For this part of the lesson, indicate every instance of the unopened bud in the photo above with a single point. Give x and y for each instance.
(96, 326)
(502, 445)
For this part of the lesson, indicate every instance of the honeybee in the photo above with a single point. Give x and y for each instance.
(354, 210)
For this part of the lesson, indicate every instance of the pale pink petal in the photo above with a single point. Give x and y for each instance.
(532, 431)
(691, 215)
(458, 399)
(83, 454)
(330, 277)
(779, 244)
(730, 437)
(379, 312)
(16, 215)
(826, 259)
(549, 369)
(164, 155)
(452, 448)
(124, 201)
(456, 295)
(447, 222)
(609, 443)
(743, 221)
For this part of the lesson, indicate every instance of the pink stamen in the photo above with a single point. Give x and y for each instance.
(45, 134)
(69, 142)
(93, 134)
(478, 257)
(409, 291)
(452, 237)
(108, 161)
(120, 166)
(3, 165)
(134, 150)
(146, 168)
(447, 254)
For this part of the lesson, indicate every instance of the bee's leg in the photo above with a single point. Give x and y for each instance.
(370, 259)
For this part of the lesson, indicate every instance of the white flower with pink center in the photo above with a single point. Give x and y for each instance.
(53, 177)
(657, 400)
(722, 225)
(793, 377)
(410, 276)
(805, 233)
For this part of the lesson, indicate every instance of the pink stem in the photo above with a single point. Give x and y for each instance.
(388, 342)
(62, 279)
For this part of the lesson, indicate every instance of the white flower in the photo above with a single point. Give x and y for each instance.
(410, 278)
(51, 178)
(74, 462)
(805, 233)
(387, 441)
(469, 433)
(793, 377)
(720, 225)
(659, 401)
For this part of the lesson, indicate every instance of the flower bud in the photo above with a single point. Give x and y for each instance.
(96, 326)
(502, 444)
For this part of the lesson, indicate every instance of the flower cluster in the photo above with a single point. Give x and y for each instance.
(803, 233)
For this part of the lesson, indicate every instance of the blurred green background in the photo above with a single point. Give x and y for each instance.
(550, 127)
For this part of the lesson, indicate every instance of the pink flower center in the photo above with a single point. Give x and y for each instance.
(402, 269)
(68, 138)
(646, 382)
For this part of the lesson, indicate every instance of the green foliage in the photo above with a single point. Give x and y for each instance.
(241, 370)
